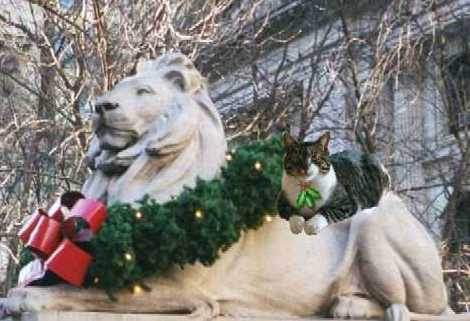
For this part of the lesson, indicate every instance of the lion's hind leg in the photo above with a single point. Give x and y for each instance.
(398, 262)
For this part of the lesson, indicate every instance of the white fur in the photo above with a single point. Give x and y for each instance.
(296, 224)
(323, 183)
(315, 224)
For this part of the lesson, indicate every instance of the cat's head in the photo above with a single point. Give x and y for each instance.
(306, 159)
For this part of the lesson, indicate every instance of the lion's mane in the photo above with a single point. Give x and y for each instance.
(158, 148)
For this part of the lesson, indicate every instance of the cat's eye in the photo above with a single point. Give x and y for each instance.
(324, 166)
(144, 91)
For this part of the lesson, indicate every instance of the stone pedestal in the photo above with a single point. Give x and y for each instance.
(94, 316)
(100, 316)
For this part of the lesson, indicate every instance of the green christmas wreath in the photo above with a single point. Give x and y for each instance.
(194, 227)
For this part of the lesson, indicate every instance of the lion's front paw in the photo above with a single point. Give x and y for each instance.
(296, 224)
(205, 310)
(21, 300)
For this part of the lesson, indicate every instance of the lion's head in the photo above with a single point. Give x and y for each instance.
(155, 132)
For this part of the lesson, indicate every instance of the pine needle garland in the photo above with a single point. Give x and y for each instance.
(194, 227)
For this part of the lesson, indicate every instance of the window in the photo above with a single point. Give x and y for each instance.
(457, 81)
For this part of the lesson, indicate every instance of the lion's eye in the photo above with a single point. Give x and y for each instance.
(144, 91)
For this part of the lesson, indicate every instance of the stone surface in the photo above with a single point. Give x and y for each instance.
(158, 142)
(380, 254)
(96, 316)
(100, 316)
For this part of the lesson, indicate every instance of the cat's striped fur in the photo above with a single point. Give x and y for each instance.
(347, 181)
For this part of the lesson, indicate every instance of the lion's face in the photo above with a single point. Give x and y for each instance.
(125, 113)
(159, 125)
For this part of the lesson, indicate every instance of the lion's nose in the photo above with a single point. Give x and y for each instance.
(102, 107)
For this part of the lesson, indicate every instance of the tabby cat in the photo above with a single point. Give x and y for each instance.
(347, 182)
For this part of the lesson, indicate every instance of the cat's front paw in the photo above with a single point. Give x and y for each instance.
(296, 224)
(315, 224)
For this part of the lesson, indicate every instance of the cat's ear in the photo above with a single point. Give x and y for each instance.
(288, 140)
(324, 140)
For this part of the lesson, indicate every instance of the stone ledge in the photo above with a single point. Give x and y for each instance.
(94, 316)
(103, 316)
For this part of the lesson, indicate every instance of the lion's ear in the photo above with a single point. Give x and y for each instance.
(178, 79)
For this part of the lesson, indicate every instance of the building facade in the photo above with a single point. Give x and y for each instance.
(414, 126)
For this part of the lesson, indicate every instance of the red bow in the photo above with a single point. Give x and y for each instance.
(51, 236)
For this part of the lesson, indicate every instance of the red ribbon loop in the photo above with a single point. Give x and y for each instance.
(51, 236)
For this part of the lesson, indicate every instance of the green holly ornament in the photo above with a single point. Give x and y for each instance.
(307, 198)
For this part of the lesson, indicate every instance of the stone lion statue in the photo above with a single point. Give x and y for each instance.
(155, 133)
